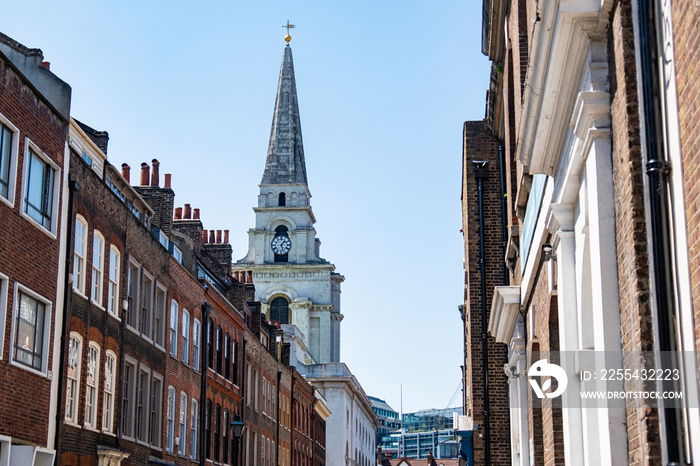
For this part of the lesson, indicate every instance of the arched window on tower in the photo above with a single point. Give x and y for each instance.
(281, 244)
(282, 200)
(279, 310)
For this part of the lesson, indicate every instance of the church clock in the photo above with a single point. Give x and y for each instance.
(281, 244)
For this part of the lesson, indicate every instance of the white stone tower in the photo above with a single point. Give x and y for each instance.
(295, 285)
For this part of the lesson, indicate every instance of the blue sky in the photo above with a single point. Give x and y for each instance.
(384, 87)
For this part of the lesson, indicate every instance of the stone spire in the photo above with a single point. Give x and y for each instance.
(285, 157)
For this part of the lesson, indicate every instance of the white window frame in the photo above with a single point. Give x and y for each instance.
(14, 156)
(48, 306)
(170, 419)
(134, 302)
(97, 269)
(109, 392)
(143, 389)
(113, 280)
(29, 146)
(80, 258)
(159, 314)
(182, 431)
(73, 381)
(129, 399)
(92, 392)
(4, 284)
(196, 344)
(155, 416)
(185, 336)
(174, 310)
(194, 424)
(147, 303)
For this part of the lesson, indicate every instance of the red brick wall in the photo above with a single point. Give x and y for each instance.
(479, 144)
(30, 257)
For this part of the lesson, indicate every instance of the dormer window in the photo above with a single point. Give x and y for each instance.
(282, 200)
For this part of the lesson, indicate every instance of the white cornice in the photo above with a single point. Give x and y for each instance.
(505, 308)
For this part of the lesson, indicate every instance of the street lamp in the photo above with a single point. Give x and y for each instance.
(237, 429)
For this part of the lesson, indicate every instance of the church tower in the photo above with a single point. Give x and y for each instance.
(295, 285)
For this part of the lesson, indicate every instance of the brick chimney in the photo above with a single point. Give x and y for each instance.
(126, 172)
(161, 200)
(155, 175)
(145, 174)
(191, 227)
(218, 253)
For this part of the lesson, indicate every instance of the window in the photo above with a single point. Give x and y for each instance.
(193, 429)
(163, 239)
(224, 456)
(9, 141)
(173, 327)
(219, 356)
(177, 254)
(159, 317)
(142, 404)
(41, 190)
(262, 451)
(132, 295)
(91, 382)
(98, 248)
(108, 401)
(264, 395)
(255, 393)
(234, 352)
(128, 385)
(146, 304)
(185, 336)
(227, 361)
(79, 250)
(113, 291)
(248, 381)
(183, 422)
(73, 372)
(196, 329)
(282, 200)
(279, 310)
(31, 319)
(171, 418)
(3, 309)
(210, 344)
(156, 409)
(217, 431)
(207, 433)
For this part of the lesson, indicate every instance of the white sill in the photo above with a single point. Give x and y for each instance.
(114, 316)
(79, 293)
(27, 368)
(41, 227)
(97, 305)
(10, 203)
(90, 428)
(72, 423)
(107, 432)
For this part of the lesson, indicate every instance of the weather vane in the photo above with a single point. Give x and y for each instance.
(288, 37)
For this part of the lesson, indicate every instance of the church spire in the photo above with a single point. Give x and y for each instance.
(285, 156)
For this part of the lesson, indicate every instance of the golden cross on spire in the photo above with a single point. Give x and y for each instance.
(288, 26)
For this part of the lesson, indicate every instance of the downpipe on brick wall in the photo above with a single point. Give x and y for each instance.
(662, 251)
(504, 211)
(481, 173)
(205, 370)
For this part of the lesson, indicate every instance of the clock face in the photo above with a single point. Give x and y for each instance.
(281, 245)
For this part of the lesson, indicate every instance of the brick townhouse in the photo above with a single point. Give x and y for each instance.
(34, 114)
(594, 107)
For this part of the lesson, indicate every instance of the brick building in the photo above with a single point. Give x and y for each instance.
(34, 113)
(594, 107)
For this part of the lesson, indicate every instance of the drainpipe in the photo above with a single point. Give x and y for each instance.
(243, 398)
(504, 211)
(657, 169)
(73, 187)
(277, 434)
(481, 173)
(205, 369)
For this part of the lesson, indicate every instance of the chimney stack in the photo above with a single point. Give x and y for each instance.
(155, 175)
(167, 180)
(145, 174)
(196, 214)
(126, 172)
(178, 213)
(188, 212)
(45, 64)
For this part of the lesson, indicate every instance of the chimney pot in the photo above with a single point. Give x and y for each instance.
(145, 174)
(212, 236)
(204, 236)
(167, 180)
(195, 215)
(188, 211)
(226, 236)
(126, 172)
(178, 213)
(155, 175)
(218, 236)
(45, 64)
